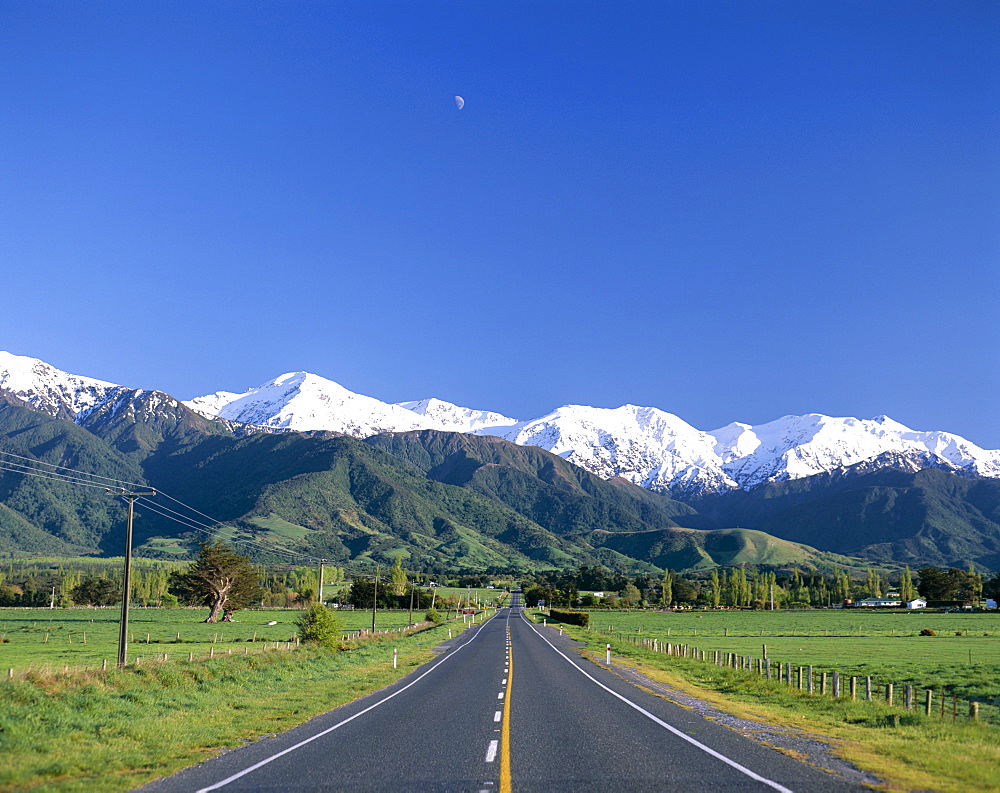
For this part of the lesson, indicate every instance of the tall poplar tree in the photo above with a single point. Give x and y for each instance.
(398, 576)
(667, 589)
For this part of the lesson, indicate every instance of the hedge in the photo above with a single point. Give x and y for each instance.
(581, 618)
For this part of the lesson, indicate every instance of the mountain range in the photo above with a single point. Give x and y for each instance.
(305, 462)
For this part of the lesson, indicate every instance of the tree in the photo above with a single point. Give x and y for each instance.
(991, 588)
(95, 591)
(631, 595)
(684, 591)
(906, 589)
(841, 584)
(873, 583)
(319, 625)
(667, 589)
(398, 576)
(716, 589)
(221, 579)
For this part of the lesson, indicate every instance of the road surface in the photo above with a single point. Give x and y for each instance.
(508, 706)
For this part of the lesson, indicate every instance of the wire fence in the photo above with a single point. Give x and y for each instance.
(251, 646)
(907, 697)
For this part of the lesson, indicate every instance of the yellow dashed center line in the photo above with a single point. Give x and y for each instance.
(505, 784)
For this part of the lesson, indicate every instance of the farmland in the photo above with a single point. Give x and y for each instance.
(963, 657)
(34, 638)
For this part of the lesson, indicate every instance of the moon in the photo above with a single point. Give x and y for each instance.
(459, 102)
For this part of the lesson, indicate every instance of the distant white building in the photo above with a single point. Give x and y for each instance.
(868, 603)
(916, 603)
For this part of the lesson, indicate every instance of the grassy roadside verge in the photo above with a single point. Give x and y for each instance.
(106, 732)
(920, 754)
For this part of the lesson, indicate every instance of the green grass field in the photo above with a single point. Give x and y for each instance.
(97, 732)
(908, 750)
(963, 658)
(85, 637)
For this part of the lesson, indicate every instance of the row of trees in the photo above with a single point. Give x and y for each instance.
(741, 588)
(225, 582)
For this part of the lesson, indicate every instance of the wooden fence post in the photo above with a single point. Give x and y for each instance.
(928, 702)
(868, 688)
(836, 684)
(889, 691)
(812, 685)
(854, 688)
(909, 696)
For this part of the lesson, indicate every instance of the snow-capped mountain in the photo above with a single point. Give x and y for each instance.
(83, 400)
(50, 390)
(303, 401)
(798, 446)
(452, 418)
(644, 445)
(794, 447)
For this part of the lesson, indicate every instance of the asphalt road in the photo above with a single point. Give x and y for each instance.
(507, 706)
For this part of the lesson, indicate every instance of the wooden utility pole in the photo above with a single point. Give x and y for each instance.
(319, 596)
(127, 583)
(375, 598)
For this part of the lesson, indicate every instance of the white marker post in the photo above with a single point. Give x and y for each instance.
(394, 655)
(608, 659)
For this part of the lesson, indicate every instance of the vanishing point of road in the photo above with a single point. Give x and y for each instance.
(506, 707)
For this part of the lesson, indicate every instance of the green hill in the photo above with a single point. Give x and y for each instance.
(447, 499)
(929, 517)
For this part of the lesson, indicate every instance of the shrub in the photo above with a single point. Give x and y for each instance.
(927, 632)
(319, 625)
(581, 618)
(433, 615)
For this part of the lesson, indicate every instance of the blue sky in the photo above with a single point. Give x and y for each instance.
(727, 210)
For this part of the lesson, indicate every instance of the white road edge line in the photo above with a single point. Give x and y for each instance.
(328, 730)
(741, 768)
(491, 753)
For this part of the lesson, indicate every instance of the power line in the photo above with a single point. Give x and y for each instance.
(74, 478)
(35, 461)
(52, 476)
(204, 527)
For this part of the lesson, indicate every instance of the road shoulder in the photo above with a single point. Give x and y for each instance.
(813, 749)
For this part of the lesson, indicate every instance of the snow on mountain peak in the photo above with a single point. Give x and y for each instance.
(644, 445)
(793, 447)
(304, 401)
(446, 416)
(48, 389)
